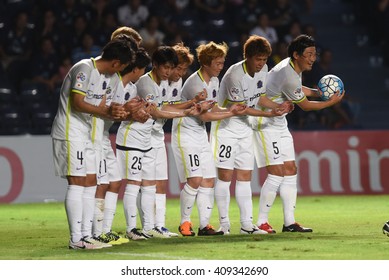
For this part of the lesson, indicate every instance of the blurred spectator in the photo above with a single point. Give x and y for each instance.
(44, 65)
(73, 36)
(246, 17)
(280, 51)
(16, 47)
(48, 27)
(133, 14)
(264, 29)
(293, 31)
(109, 24)
(211, 9)
(87, 49)
(152, 36)
(64, 67)
(281, 16)
(68, 11)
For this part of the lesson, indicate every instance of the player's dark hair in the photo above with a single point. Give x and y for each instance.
(142, 60)
(256, 45)
(122, 48)
(299, 44)
(165, 54)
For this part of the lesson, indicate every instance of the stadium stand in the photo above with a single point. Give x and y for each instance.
(357, 57)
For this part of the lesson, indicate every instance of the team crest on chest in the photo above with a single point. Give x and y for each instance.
(164, 92)
(259, 84)
(175, 92)
(214, 93)
(127, 96)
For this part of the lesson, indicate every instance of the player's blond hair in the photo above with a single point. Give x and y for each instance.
(208, 52)
(183, 53)
(129, 31)
(256, 45)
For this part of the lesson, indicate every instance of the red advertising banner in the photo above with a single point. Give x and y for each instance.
(329, 163)
(342, 162)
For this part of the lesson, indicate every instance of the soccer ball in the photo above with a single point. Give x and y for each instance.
(328, 85)
(385, 228)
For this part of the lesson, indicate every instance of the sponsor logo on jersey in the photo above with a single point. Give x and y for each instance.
(255, 96)
(81, 77)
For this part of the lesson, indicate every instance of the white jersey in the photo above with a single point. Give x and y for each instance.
(157, 133)
(99, 125)
(174, 97)
(83, 78)
(135, 134)
(237, 86)
(192, 86)
(283, 83)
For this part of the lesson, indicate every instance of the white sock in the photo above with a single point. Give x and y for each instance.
(98, 217)
(110, 204)
(223, 197)
(88, 201)
(187, 200)
(73, 207)
(243, 195)
(139, 206)
(267, 197)
(160, 209)
(148, 206)
(129, 204)
(205, 202)
(288, 194)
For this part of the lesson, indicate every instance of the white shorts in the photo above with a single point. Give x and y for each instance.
(161, 171)
(93, 155)
(109, 170)
(193, 157)
(273, 147)
(135, 164)
(233, 153)
(69, 158)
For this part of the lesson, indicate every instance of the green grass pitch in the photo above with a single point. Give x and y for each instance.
(345, 228)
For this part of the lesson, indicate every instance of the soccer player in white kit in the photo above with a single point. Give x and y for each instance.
(274, 146)
(110, 179)
(173, 97)
(81, 96)
(136, 156)
(113, 180)
(192, 151)
(232, 140)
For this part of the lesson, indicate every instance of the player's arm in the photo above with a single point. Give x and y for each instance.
(310, 105)
(201, 96)
(218, 113)
(78, 103)
(169, 111)
(278, 109)
(310, 92)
